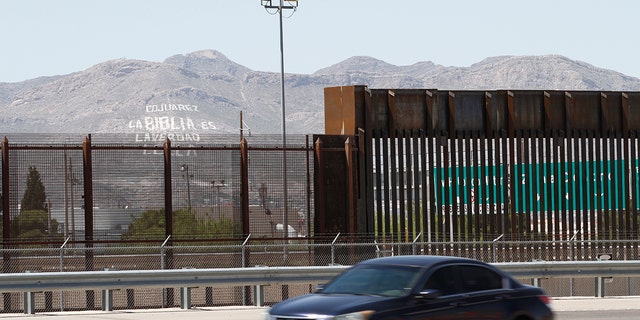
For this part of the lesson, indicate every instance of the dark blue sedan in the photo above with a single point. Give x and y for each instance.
(418, 287)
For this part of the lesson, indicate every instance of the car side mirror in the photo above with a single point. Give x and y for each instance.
(318, 288)
(429, 294)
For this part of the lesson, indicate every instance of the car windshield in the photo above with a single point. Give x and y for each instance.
(380, 280)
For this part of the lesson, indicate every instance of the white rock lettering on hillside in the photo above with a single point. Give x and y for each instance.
(155, 123)
(171, 107)
(176, 122)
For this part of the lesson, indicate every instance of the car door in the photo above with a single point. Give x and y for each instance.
(485, 293)
(445, 280)
(467, 292)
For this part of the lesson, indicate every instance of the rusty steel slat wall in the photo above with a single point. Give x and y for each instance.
(485, 165)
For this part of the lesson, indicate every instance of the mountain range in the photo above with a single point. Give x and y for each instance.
(204, 92)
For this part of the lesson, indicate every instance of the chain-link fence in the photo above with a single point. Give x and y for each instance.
(329, 250)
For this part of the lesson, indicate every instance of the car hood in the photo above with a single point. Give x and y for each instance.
(328, 304)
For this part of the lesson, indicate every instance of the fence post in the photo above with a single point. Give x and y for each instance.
(571, 252)
(247, 289)
(62, 248)
(333, 249)
(162, 263)
(6, 220)
(494, 249)
(87, 173)
(413, 244)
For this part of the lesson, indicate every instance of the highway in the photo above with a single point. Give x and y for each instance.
(566, 309)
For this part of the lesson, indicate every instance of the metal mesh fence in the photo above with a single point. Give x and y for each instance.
(266, 191)
(129, 189)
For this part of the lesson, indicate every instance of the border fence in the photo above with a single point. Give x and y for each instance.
(467, 165)
(500, 176)
(93, 189)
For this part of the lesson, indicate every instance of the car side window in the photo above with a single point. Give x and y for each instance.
(479, 278)
(445, 280)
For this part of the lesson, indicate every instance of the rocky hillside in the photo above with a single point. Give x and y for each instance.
(204, 92)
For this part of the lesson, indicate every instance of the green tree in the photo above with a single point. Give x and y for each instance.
(186, 225)
(34, 222)
(34, 197)
(33, 225)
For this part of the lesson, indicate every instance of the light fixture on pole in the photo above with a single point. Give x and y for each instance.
(290, 5)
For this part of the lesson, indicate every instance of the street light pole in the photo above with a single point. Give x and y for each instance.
(292, 5)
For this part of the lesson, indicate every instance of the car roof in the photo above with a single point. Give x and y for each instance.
(417, 260)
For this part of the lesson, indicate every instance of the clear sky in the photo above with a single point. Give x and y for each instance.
(54, 37)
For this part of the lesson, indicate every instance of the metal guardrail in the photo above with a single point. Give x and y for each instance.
(265, 276)
(121, 279)
(571, 269)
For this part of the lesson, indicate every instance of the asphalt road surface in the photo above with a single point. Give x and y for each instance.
(566, 309)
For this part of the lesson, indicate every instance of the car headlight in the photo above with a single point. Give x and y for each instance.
(360, 315)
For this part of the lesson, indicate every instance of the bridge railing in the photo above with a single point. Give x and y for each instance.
(299, 252)
(259, 277)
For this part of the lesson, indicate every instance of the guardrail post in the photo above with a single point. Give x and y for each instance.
(258, 295)
(107, 296)
(599, 287)
(29, 303)
(600, 281)
(107, 300)
(185, 297)
(535, 282)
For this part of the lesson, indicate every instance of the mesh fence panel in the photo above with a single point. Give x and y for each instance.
(266, 201)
